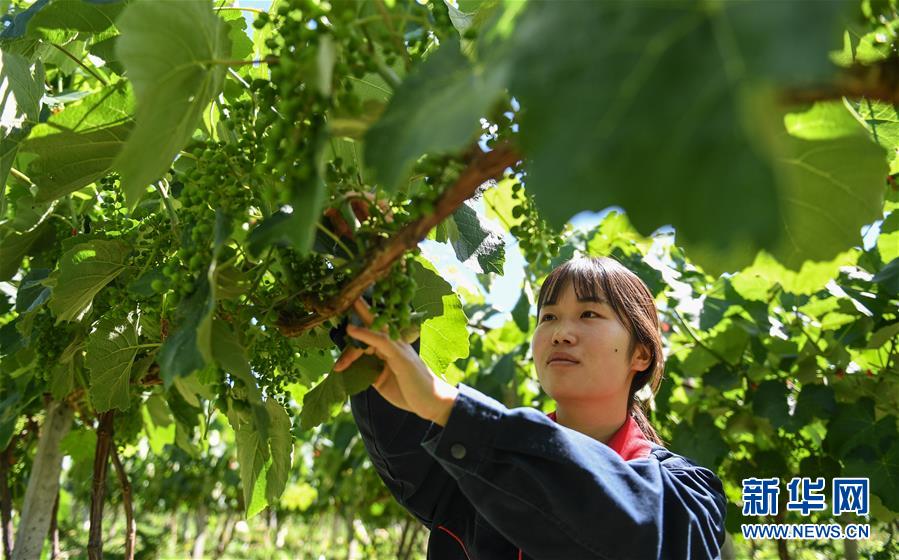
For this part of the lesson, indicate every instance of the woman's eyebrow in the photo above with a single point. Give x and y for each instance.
(588, 299)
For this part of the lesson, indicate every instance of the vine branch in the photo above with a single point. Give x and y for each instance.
(481, 168)
(87, 68)
(98, 485)
(131, 530)
(696, 339)
(7, 459)
(877, 81)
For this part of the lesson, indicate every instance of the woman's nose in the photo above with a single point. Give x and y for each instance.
(562, 334)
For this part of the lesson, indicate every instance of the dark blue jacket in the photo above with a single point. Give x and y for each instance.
(502, 484)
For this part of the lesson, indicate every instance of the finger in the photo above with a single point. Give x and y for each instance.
(364, 311)
(382, 377)
(348, 357)
(380, 341)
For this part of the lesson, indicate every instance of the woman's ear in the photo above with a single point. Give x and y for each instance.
(642, 358)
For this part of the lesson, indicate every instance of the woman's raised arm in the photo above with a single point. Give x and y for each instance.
(557, 493)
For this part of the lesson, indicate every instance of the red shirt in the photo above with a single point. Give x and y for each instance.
(629, 441)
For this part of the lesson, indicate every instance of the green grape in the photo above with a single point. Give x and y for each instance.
(49, 340)
(392, 297)
(274, 360)
(536, 239)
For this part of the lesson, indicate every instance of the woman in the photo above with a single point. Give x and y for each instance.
(590, 480)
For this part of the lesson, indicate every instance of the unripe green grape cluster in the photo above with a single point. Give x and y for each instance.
(392, 297)
(536, 239)
(152, 241)
(48, 340)
(115, 214)
(273, 358)
(293, 142)
(313, 274)
(212, 185)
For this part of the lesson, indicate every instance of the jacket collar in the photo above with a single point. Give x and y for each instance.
(629, 441)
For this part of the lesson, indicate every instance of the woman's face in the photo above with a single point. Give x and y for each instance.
(591, 334)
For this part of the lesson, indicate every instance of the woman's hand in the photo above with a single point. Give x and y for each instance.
(406, 382)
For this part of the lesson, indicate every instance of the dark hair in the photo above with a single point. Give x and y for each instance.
(635, 307)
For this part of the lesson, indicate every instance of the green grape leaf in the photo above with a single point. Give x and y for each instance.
(430, 289)
(181, 352)
(461, 20)
(818, 465)
(231, 357)
(589, 137)
(881, 466)
(756, 279)
(281, 445)
(191, 388)
(320, 403)
(159, 426)
(299, 497)
(521, 313)
(853, 425)
(253, 458)
(876, 45)
(67, 161)
(313, 366)
(241, 45)
(76, 15)
(888, 277)
(435, 109)
(713, 310)
(16, 400)
(78, 145)
(296, 227)
(824, 121)
(83, 271)
(815, 401)
(470, 236)
(700, 441)
(109, 356)
(80, 445)
(62, 380)
(158, 411)
(21, 90)
(615, 231)
(363, 372)
(829, 189)
(888, 240)
(171, 51)
(444, 339)
(882, 335)
(770, 401)
(15, 246)
(21, 86)
(111, 106)
(499, 202)
(106, 50)
(495, 381)
(721, 377)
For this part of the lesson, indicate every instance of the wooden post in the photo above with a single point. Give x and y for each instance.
(43, 483)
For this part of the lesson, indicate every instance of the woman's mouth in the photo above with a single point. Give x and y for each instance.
(562, 359)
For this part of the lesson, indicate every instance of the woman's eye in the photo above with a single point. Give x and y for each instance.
(593, 312)
(545, 317)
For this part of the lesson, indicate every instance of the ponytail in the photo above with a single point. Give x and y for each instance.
(639, 415)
